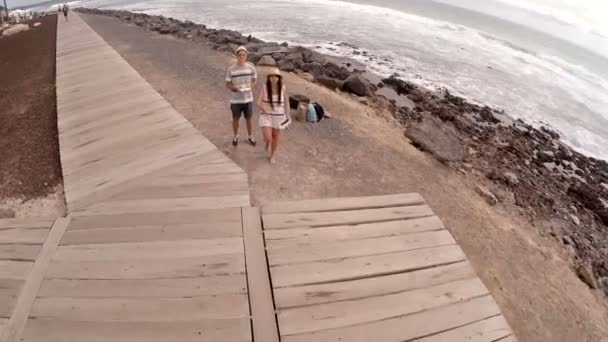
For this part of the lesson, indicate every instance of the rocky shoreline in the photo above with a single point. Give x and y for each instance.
(560, 191)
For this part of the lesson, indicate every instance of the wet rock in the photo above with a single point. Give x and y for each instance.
(267, 61)
(357, 85)
(436, 138)
(335, 71)
(486, 194)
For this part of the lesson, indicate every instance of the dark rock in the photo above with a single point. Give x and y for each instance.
(357, 85)
(315, 57)
(254, 58)
(314, 68)
(329, 82)
(335, 71)
(437, 138)
(286, 65)
(269, 50)
(298, 63)
(168, 29)
(294, 100)
(267, 61)
(294, 56)
(400, 86)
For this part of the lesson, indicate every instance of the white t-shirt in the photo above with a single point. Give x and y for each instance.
(242, 77)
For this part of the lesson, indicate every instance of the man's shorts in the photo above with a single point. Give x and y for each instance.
(239, 109)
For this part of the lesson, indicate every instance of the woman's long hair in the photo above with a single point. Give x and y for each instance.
(269, 90)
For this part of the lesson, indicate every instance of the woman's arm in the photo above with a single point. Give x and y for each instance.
(259, 100)
(286, 101)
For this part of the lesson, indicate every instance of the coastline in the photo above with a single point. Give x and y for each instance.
(560, 191)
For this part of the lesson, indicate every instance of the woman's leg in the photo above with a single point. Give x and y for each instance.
(276, 133)
(267, 132)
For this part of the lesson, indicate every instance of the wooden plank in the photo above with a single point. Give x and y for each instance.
(32, 222)
(185, 190)
(301, 253)
(165, 217)
(7, 305)
(23, 236)
(3, 322)
(352, 312)
(368, 287)
(149, 269)
(153, 233)
(15, 326)
(176, 180)
(363, 267)
(142, 309)
(260, 296)
(149, 250)
(488, 330)
(56, 330)
(133, 288)
(19, 252)
(344, 203)
(10, 287)
(155, 205)
(408, 327)
(280, 237)
(320, 219)
(17, 270)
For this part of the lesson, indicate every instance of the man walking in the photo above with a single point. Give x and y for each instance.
(65, 10)
(240, 79)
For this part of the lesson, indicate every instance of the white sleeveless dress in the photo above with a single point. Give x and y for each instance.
(273, 117)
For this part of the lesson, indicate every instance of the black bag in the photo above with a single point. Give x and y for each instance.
(294, 100)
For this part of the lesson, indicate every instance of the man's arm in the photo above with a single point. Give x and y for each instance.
(230, 86)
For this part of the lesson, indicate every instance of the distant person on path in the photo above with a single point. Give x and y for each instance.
(65, 11)
(240, 78)
(273, 103)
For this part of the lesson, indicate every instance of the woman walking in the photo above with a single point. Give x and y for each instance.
(274, 111)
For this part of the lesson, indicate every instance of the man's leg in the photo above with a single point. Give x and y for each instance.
(236, 116)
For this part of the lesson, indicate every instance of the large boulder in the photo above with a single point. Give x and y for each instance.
(357, 85)
(269, 50)
(437, 138)
(329, 82)
(335, 71)
(254, 57)
(286, 65)
(267, 61)
(168, 29)
(315, 57)
(314, 68)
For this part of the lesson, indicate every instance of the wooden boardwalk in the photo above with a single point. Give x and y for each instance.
(161, 243)
(378, 268)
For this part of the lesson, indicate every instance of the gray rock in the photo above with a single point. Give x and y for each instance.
(357, 85)
(433, 136)
(329, 82)
(254, 57)
(315, 57)
(286, 65)
(486, 194)
(267, 61)
(298, 63)
(294, 56)
(168, 29)
(269, 50)
(314, 68)
(510, 178)
(585, 273)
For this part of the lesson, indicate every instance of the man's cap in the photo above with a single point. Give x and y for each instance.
(241, 48)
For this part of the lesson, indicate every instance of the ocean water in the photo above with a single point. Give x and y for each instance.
(543, 80)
